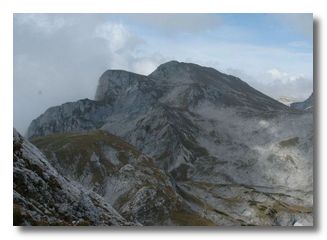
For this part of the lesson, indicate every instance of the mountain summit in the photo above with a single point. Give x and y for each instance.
(184, 85)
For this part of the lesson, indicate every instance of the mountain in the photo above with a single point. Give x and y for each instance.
(305, 105)
(186, 86)
(130, 105)
(44, 197)
(232, 154)
(125, 178)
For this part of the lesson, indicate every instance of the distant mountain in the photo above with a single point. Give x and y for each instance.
(287, 100)
(221, 143)
(305, 105)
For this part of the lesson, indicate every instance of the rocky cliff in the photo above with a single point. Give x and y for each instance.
(42, 196)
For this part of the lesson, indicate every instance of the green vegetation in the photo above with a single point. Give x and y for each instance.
(83, 141)
(74, 151)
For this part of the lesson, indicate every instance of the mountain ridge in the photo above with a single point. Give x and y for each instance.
(149, 92)
(202, 126)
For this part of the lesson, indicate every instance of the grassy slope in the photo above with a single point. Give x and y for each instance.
(67, 146)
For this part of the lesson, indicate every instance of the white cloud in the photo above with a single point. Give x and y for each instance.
(276, 83)
(46, 23)
(57, 61)
(124, 48)
(117, 37)
(276, 74)
(146, 65)
(173, 23)
(284, 77)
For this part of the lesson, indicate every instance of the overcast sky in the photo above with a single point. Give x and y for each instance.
(59, 57)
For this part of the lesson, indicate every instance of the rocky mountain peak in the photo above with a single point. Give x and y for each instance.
(190, 84)
(175, 72)
(113, 82)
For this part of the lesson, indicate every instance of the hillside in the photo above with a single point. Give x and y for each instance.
(43, 197)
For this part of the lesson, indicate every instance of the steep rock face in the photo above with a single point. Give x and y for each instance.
(82, 115)
(117, 85)
(305, 105)
(163, 132)
(43, 197)
(122, 175)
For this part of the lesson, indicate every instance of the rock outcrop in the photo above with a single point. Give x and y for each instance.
(43, 197)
